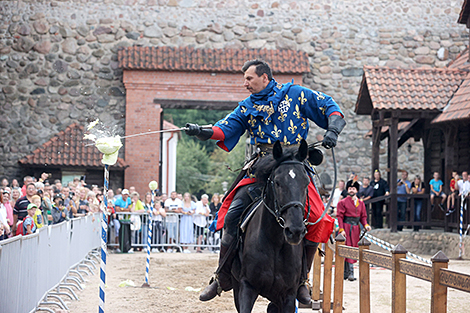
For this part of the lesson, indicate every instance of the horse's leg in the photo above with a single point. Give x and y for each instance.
(247, 296)
(289, 304)
(236, 293)
(272, 308)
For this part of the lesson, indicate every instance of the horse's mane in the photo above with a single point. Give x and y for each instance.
(267, 164)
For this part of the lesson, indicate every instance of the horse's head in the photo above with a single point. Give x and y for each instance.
(288, 184)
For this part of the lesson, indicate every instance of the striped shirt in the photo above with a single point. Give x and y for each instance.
(21, 208)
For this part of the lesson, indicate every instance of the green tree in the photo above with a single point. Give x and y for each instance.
(192, 165)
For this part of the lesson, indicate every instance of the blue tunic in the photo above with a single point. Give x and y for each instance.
(279, 112)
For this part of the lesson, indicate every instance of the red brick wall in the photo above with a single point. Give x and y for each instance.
(142, 153)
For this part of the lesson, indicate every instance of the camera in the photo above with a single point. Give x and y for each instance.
(40, 192)
(71, 194)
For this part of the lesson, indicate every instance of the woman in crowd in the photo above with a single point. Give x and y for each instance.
(15, 195)
(200, 219)
(417, 188)
(186, 223)
(157, 218)
(8, 208)
(93, 202)
(4, 183)
(4, 224)
(215, 204)
(136, 207)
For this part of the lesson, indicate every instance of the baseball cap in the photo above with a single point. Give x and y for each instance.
(125, 192)
(32, 206)
(6, 191)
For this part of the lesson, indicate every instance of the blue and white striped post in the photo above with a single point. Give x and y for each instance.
(153, 186)
(104, 238)
(462, 201)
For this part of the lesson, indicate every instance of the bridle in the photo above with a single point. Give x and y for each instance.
(279, 209)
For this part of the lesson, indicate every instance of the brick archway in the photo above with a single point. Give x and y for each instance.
(154, 80)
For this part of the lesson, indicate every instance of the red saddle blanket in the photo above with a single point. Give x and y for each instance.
(319, 232)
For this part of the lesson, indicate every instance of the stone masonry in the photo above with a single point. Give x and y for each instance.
(58, 59)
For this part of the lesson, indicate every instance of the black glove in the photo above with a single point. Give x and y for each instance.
(199, 132)
(335, 125)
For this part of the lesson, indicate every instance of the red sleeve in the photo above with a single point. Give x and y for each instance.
(340, 210)
(218, 134)
(337, 113)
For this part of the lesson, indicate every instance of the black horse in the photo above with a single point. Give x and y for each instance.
(270, 260)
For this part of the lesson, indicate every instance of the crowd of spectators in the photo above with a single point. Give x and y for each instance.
(177, 220)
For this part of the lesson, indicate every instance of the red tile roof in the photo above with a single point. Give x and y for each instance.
(464, 13)
(210, 60)
(384, 88)
(68, 148)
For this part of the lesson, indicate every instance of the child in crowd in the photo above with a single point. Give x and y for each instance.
(38, 217)
(59, 212)
(29, 226)
(453, 192)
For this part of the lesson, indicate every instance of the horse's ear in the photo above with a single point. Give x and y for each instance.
(277, 150)
(303, 151)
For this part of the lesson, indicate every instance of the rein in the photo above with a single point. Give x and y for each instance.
(278, 210)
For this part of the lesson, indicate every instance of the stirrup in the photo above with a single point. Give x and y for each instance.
(216, 279)
(306, 283)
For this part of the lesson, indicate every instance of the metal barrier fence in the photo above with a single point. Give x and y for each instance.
(31, 266)
(174, 231)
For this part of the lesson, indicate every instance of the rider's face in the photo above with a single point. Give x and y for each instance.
(253, 82)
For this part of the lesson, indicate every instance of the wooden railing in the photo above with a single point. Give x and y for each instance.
(438, 275)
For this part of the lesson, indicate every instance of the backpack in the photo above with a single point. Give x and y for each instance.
(20, 228)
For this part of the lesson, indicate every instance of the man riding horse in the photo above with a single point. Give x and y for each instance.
(273, 112)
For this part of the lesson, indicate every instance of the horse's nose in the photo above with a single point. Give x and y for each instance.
(294, 234)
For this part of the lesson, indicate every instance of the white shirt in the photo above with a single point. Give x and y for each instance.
(336, 195)
(172, 206)
(3, 215)
(199, 218)
(464, 187)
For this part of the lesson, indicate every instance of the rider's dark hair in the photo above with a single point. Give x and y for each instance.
(261, 68)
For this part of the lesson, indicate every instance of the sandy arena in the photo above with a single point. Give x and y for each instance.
(178, 271)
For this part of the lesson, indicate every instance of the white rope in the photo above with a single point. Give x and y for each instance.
(389, 247)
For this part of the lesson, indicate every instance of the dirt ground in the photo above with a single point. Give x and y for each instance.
(171, 274)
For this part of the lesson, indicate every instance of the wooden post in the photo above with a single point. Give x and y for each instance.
(364, 278)
(392, 183)
(327, 271)
(398, 281)
(339, 276)
(438, 291)
(376, 133)
(316, 277)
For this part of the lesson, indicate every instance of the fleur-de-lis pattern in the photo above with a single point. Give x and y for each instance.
(292, 128)
(285, 120)
(302, 98)
(276, 132)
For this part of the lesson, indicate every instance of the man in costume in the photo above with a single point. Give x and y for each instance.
(273, 112)
(350, 212)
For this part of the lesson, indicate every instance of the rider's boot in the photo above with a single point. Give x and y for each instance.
(222, 281)
(303, 293)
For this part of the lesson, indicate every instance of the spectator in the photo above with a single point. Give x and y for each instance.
(122, 203)
(26, 180)
(113, 220)
(39, 218)
(83, 206)
(464, 186)
(453, 192)
(58, 184)
(69, 204)
(417, 188)
(172, 207)
(131, 190)
(436, 190)
(4, 223)
(186, 222)
(118, 194)
(200, 219)
(48, 190)
(403, 188)
(93, 202)
(4, 183)
(15, 195)
(20, 211)
(157, 218)
(14, 183)
(28, 222)
(366, 191)
(8, 208)
(380, 189)
(59, 213)
(164, 197)
(136, 226)
(215, 204)
(337, 194)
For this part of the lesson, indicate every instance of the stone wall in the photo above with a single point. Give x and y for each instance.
(424, 242)
(58, 61)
